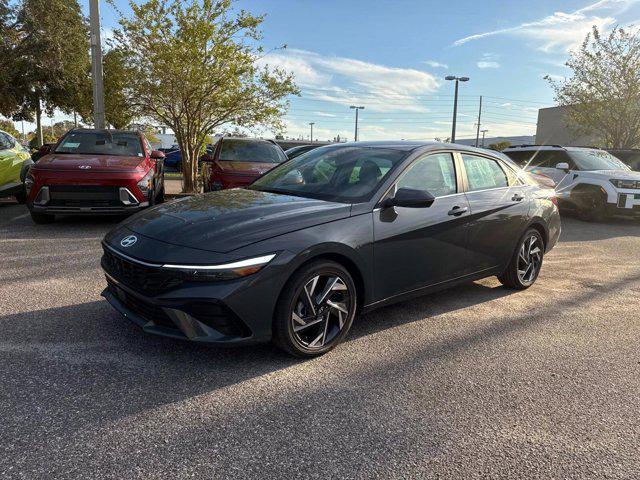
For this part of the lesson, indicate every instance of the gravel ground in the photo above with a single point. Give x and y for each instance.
(474, 382)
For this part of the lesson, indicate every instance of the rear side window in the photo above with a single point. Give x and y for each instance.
(484, 173)
(434, 173)
(6, 141)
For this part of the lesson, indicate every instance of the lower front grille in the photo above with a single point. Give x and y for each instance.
(84, 196)
(143, 309)
(148, 280)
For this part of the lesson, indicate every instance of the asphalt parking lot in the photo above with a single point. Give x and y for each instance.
(474, 382)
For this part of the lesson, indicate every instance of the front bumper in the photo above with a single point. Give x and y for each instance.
(628, 204)
(209, 322)
(86, 199)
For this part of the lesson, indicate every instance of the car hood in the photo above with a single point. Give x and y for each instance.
(245, 168)
(230, 219)
(55, 161)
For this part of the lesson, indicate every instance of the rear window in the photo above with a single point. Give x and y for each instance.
(538, 158)
(126, 144)
(248, 151)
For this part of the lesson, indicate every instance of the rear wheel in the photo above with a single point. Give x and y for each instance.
(315, 310)
(525, 265)
(21, 197)
(41, 218)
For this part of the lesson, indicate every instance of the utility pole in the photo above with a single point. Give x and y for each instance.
(353, 107)
(24, 138)
(455, 104)
(311, 124)
(483, 134)
(75, 120)
(479, 119)
(96, 64)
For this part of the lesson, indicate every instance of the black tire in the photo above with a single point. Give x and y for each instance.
(336, 324)
(592, 206)
(21, 197)
(511, 277)
(160, 196)
(42, 218)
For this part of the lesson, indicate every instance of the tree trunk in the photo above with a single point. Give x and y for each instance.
(39, 136)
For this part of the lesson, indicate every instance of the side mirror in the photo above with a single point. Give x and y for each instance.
(563, 166)
(206, 157)
(410, 198)
(157, 155)
(44, 149)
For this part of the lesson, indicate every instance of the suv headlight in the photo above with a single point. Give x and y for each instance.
(146, 183)
(632, 184)
(225, 271)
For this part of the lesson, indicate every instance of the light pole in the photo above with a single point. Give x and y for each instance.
(96, 64)
(455, 104)
(483, 134)
(311, 124)
(355, 136)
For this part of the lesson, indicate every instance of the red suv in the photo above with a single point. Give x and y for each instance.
(236, 162)
(95, 172)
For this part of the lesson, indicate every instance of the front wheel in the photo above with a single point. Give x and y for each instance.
(315, 310)
(525, 265)
(41, 218)
(21, 197)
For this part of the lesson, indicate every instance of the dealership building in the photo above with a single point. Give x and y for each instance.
(552, 129)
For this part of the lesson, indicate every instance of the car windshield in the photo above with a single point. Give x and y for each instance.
(341, 174)
(250, 151)
(126, 144)
(596, 160)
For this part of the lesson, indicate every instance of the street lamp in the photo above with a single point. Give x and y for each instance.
(355, 137)
(311, 124)
(455, 104)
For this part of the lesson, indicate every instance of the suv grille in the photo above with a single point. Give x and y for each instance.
(148, 280)
(84, 196)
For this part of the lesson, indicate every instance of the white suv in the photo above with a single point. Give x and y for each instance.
(590, 181)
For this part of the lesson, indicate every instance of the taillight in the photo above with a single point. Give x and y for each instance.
(555, 201)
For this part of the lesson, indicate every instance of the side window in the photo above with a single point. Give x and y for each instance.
(5, 141)
(434, 173)
(484, 173)
(511, 176)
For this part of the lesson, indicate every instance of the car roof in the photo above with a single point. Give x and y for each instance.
(529, 148)
(105, 130)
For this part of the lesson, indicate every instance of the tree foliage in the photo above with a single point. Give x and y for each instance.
(9, 127)
(195, 67)
(603, 95)
(44, 57)
(119, 110)
(499, 146)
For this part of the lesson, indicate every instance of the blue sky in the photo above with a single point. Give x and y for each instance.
(392, 56)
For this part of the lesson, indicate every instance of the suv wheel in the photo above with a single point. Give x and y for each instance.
(315, 310)
(525, 265)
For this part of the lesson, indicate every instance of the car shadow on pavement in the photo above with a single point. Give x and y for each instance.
(581, 231)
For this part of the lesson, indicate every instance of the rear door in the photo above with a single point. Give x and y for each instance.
(418, 247)
(499, 203)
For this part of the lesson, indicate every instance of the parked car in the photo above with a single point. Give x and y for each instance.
(95, 172)
(589, 181)
(630, 156)
(172, 158)
(15, 162)
(344, 229)
(293, 152)
(237, 162)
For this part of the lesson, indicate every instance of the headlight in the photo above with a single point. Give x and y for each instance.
(146, 183)
(225, 271)
(632, 184)
(28, 183)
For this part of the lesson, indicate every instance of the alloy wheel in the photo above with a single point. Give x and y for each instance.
(529, 259)
(320, 311)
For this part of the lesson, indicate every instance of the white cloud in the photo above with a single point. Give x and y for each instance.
(561, 31)
(347, 81)
(434, 64)
(483, 64)
(488, 60)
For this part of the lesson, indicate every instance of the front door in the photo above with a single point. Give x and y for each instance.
(418, 247)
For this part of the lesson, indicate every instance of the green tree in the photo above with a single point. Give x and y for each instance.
(9, 127)
(499, 146)
(45, 58)
(195, 67)
(603, 95)
(119, 110)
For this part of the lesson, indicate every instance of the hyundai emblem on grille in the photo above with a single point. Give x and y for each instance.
(85, 167)
(128, 241)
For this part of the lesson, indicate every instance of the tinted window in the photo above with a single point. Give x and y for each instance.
(484, 173)
(434, 173)
(6, 141)
(250, 151)
(341, 174)
(538, 158)
(126, 144)
(596, 160)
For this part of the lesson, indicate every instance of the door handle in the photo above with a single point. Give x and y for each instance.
(517, 197)
(457, 211)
